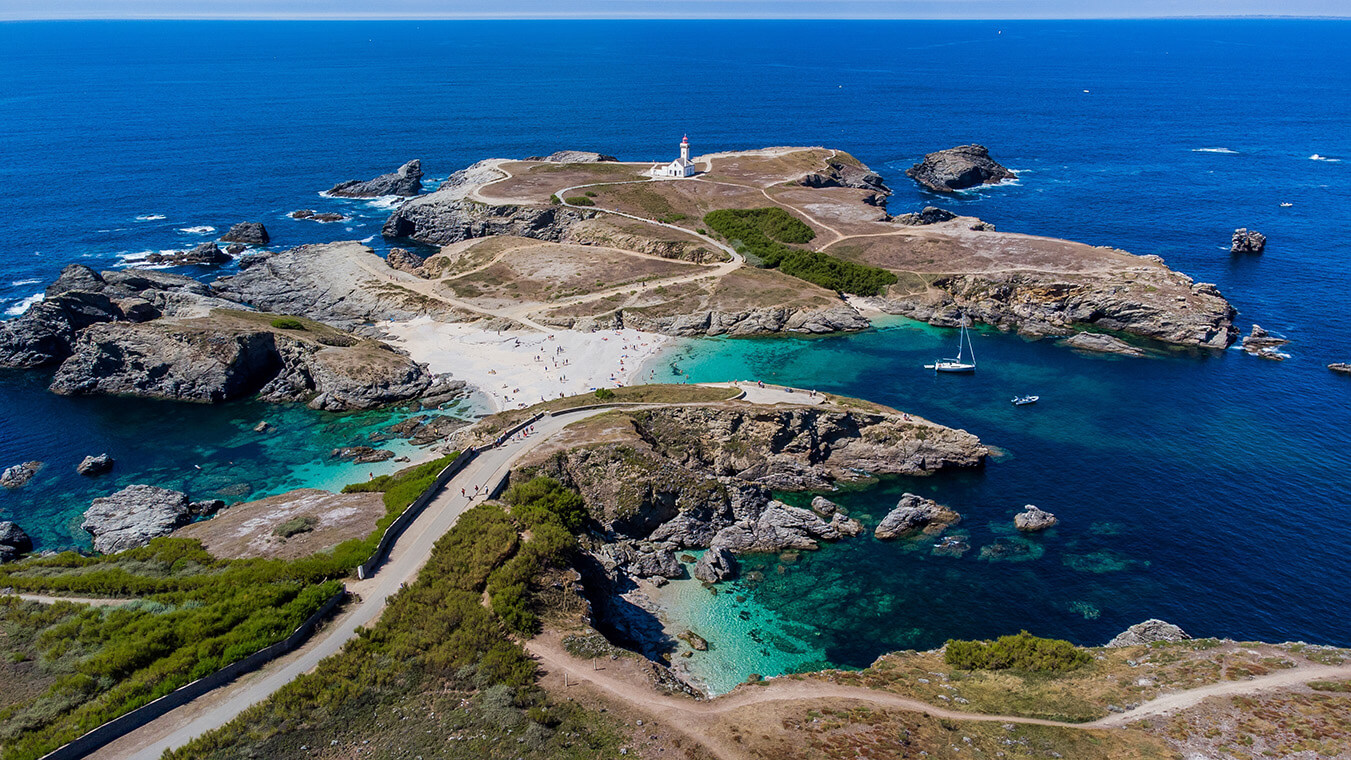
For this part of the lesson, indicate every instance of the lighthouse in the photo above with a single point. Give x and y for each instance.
(681, 167)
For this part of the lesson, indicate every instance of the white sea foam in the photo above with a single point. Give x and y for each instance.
(386, 201)
(20, 283)
(23, 305)
(136, 259)
(150, 217)
(203, 230)
(1215, 150)
(1316, 157)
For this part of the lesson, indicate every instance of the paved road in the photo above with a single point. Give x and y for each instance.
(214, 710)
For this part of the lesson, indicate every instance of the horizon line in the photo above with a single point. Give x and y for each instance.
(646, 17)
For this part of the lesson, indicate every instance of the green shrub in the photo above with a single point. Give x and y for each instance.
(580, 200)
(288, 323)
(296, 526)
(763, 235)
(604, 394)
(1023, 652)
(589, 194)
(555, 201)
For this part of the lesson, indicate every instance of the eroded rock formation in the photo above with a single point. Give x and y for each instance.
(959, 168)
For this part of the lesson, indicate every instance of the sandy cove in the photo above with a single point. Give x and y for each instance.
(519, 368)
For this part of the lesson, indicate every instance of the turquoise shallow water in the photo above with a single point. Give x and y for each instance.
(1192, 487)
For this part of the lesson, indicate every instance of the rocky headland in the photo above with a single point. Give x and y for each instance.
(138, 513)
(405, 181)
(959, 168)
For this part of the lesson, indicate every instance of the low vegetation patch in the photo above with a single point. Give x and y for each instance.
(580, 200)
(295, 526)
(1022, 651)
(764, 236)
(288, 323)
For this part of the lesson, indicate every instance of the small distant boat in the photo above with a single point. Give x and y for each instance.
(957, 365)
(1025, 400)
(1286, 205)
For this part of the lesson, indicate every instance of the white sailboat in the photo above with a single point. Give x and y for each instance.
(958, 365)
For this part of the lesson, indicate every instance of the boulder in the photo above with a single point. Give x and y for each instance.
(930, 215)
(406, 181)
(19, 474)
(203, 255)
(824, 507)
(1033, 519)
(915, 513)
(92, 466)
(777, 527)
(1264, 345)
(406, 261)
(641, 559)
(1340, 367)
(134, 515)
(965, 166)
(248, 233)
(1247, 241)
(234, 249)
(1147, 633)
(1102, 344)
(697, 643)
(716, 564)
(845, 526)
(13, 541)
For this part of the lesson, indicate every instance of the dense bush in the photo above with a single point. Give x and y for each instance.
(580, 200)
(604, 394)
(1023, 652)
(762, 235)
(288, 323)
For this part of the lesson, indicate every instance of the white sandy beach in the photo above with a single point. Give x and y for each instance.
(518, 368)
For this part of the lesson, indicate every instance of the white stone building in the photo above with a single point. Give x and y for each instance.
(681, 167)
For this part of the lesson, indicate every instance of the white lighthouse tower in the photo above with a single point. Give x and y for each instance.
(681, 167)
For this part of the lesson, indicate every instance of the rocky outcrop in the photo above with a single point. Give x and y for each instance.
(717, 564)
(930, 215)
(1340, 367)
(1034, 519)
(842, 174)
(406, 261)
(641, 559)
(1101, 344)
(959, 168)
(824, 507)
(138, 513)
(93, 466)
(324, 217)
(13, 542)
(774, 527)
(212, 361)
(1148, 632)
(331, 283)
(406, 181)
(450, 214)
(361, 454)
(247, 233)
(1247, 241)
(914, 514)
(205, 254)
(19, 474)
(573, 157)
(1264, 345)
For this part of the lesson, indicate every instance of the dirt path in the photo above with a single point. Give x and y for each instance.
(91, 601)
(695, 716)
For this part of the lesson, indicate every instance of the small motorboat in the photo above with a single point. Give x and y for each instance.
(1025, 400)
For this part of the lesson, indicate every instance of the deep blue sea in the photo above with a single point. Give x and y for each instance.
(1211, 490)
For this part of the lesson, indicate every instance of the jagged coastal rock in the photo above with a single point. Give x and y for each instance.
(92, 466)
(1340, 367)
(824, 507)
(573, 157)
(247, 233)
(1148, 632)
(406, 261)
(716, 564)
(19, 474)
(1102, 344)
(930, 215)
(842, 174)
(361, 454)
(1247, 241)
(1033, 519)
(203, 255)
(138, 513)
(915, 513)
(641, 559)
(324, 217)
(406, 181)
(13, 541)
(959, 168)
(1264, 345)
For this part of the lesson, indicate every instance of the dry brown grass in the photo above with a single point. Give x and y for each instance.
(535, 182)
(245, 530)
(763, 171)
(1297, 725)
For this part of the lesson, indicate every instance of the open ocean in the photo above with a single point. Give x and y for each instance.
(1210, 490)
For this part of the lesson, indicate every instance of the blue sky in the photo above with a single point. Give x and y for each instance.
(974, 9)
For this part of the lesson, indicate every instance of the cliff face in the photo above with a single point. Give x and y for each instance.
(767, 321)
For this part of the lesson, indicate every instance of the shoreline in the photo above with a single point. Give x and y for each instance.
(514, 369)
